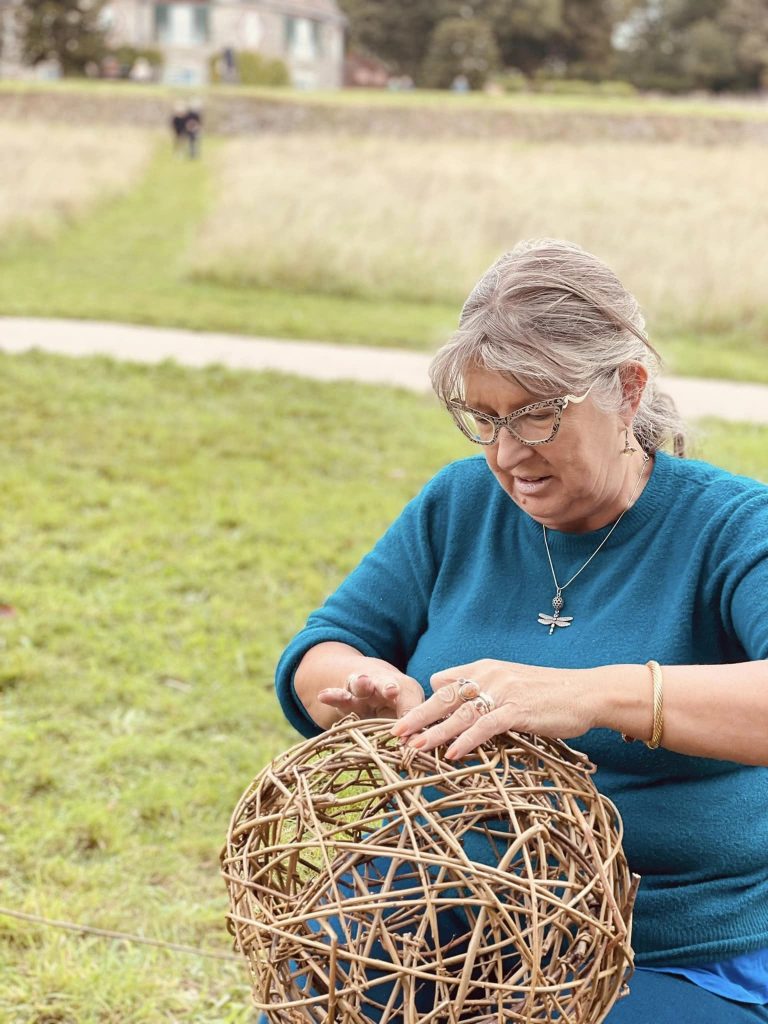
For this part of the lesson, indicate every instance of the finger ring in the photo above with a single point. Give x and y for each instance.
(484, 703)
(468, 689)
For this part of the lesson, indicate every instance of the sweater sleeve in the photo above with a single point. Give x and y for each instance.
(381, 608)
(741, 562)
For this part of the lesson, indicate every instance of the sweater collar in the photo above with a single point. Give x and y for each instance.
(646, 507)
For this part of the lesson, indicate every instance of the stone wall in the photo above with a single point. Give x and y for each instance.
(247, 115)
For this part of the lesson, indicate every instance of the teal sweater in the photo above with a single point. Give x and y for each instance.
(462, 575)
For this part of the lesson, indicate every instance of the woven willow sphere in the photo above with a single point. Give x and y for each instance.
(370, 882)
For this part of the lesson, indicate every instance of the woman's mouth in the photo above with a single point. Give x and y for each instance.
(530, 484)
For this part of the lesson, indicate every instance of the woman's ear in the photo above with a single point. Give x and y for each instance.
(634, 378)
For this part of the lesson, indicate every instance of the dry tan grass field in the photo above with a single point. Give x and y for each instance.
(686, 227)
(52, 173)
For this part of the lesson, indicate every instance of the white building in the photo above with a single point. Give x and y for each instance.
(308, 35)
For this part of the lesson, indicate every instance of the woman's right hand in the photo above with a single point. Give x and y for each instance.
(334, 680)
(376, 690)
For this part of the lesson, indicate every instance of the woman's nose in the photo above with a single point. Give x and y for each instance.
(510, 451)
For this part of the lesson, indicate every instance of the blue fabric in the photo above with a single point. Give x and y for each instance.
(403, 917)
(743, 978)
(656, 998)
(462, 574)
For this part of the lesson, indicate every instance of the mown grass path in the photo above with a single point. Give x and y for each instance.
(127, 262)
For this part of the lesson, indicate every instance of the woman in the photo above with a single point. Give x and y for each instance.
(573, 580)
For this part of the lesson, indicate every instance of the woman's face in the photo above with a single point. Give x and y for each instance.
(580, 481)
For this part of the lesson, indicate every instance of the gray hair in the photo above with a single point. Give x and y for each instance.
(557, 320)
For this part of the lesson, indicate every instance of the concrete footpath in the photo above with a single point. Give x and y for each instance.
(728, 400)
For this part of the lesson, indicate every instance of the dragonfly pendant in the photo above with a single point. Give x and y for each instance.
(557, 619)
(554, 620)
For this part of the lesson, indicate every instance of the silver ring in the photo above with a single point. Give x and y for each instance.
(468, 689)
(484, 703)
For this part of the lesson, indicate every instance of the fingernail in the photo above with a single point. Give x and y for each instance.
(391, 688)
(451, 753)
(400, 729)
(416, 741)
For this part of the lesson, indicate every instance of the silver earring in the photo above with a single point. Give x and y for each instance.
(628, 449)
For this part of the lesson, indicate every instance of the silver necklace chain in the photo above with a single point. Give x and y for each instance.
(558, 601)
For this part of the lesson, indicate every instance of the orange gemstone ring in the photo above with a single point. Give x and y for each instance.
(468, 689)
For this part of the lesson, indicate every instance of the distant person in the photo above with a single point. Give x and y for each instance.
(229, 65)
(141, 70)
(178, 120)
(193, 127)
(401, 83)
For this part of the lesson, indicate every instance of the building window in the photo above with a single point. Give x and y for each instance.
(317, 37)
(200, 22)
(162, 23)
(181, 24)
(303, 38)
(106, 19)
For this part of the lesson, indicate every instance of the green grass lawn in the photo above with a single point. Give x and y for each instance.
(126, 262)
(164, 532)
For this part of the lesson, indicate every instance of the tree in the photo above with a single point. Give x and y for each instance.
(460, 46)
(529, 33)
(400, 31)
(707, 55)
(68, 30)
(576, 34)
(397, 31)
(705, 44)
(586, 38)
(648, 54)
(526, 30)
(747, 21)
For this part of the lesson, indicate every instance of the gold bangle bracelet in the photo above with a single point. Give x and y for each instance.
(658, 708)
(658, 705)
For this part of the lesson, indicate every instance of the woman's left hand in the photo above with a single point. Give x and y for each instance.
(526, 698)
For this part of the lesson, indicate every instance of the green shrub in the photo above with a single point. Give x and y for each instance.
(126, 57)
(511, 80)
(616, 87)
(582, 87)
(460, 47)
(254, 69)
(251, 69)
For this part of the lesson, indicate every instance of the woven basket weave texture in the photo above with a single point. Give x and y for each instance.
(370, 883)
